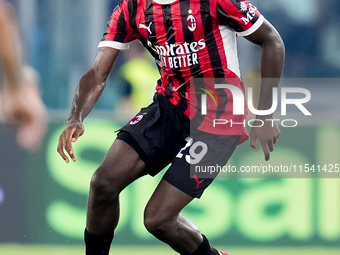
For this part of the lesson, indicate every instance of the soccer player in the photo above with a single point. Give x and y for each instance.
(189, 39)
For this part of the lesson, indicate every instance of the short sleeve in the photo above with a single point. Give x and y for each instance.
(240, 15)
(119, 33)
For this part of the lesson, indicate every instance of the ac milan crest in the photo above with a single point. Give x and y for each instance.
(136, 119)
(191, 21)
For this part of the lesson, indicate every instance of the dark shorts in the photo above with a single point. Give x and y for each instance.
(161, 134)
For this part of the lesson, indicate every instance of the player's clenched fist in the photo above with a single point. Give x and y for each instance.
(70, 135)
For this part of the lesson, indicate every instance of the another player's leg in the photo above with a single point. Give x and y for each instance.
(121, 166)
(162, 218)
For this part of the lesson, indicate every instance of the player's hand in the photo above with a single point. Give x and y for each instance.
(24, 110)
(17, 108)
(267, 135)
(31, 134)
(70, 135)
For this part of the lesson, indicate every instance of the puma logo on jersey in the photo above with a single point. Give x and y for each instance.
(145, 27)
(197, 181)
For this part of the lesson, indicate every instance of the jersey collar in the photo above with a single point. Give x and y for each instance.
(164, 1)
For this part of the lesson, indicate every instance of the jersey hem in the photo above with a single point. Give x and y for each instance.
(253, 28)
(113, 44)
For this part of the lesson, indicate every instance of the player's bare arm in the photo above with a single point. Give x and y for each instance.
(16, 109)
(272, 62)
(89, 90)
(10, 56)
(21, 102)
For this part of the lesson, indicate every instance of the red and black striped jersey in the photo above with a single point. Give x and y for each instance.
(189, 39)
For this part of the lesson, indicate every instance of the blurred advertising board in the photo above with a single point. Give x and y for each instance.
(243, 210)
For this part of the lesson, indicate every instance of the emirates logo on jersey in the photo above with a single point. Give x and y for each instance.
(191, 22)
(178, 55)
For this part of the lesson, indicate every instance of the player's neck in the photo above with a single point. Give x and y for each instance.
(164, 1)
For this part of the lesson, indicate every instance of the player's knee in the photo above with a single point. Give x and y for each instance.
(156, 225)
(102, 186)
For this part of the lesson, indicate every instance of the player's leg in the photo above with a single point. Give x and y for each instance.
(121, 166)
(180, 185)
(162, 218)
(153, 135)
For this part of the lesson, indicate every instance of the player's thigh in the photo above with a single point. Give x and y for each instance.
(121, 166)
(166, 203)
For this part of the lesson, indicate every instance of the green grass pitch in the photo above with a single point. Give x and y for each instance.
(12, 249)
